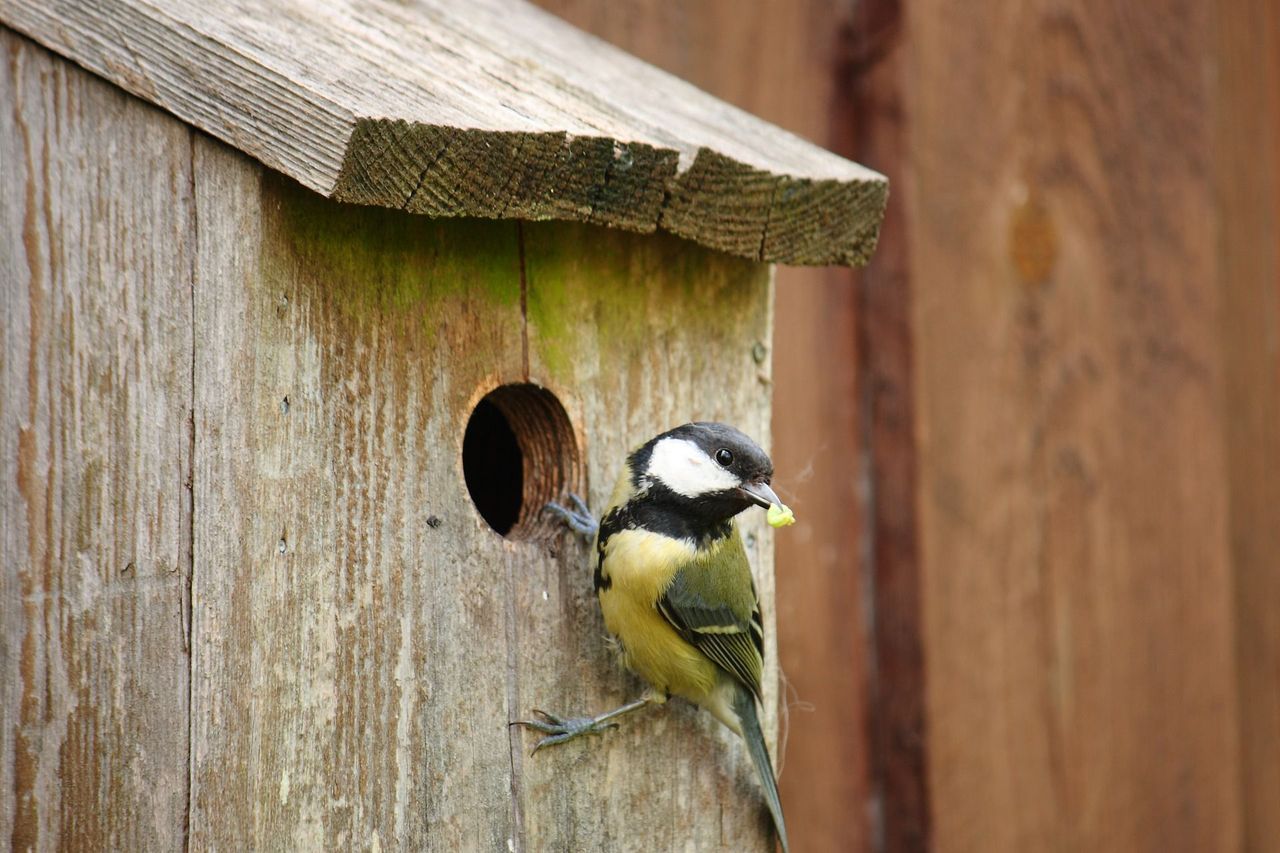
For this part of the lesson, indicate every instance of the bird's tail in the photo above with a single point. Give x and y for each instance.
(744, 705)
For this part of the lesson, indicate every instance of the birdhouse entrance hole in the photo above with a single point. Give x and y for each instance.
(518, 453)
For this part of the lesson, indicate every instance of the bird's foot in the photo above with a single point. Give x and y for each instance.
(578, 518)
(562, 730)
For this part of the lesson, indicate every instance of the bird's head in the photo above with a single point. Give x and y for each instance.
(707, 470)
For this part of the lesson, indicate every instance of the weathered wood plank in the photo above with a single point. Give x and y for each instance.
(490, 108)
(350, 675)
(670, 339)
(363, 637)
(823, 636)
(1247, 161)
(1076, 579)
(824, 617)
(95, 395)
(870, 120)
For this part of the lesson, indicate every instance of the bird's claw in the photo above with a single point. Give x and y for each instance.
(563, 729)
(579, 518)
(580, 505)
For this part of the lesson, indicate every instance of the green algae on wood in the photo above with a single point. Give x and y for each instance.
(391, 265)
(621, 295)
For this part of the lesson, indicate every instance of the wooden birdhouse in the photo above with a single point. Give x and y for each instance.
(309, 308)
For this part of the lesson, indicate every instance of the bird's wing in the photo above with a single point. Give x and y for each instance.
(712, 603)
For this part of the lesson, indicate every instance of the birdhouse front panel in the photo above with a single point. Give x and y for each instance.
(366, 635)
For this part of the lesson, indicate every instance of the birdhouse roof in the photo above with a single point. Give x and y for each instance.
(488, 108)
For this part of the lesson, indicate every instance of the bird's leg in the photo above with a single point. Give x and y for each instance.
(579, 518)
(562, 729)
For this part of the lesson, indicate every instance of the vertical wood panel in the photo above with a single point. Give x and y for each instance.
(1248, 164)
(823, 612)
(636, 335)
(1077, 586)
(95, 271)
(778, 60)
(871, 125)
(363, 637)
(350, 676)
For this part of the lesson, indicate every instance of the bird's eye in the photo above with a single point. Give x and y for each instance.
(725, 457)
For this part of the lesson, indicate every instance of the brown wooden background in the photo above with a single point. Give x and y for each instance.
(1035, 604)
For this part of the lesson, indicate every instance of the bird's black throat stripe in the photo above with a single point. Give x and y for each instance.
(608, 527)
(703, 519)
(661, 511)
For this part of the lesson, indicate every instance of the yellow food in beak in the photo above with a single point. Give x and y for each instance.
(780, 516)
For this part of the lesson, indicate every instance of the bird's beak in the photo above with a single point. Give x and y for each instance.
(759, 493)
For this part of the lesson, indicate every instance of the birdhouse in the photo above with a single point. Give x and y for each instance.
(309, 309)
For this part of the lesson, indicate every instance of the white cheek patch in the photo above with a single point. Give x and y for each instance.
(684, 469)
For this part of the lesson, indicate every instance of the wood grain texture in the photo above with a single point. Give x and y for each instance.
(1247, 160)
(869, 118)
(1076, 576)
(350, 669)
(491, 108)
(669, 339)
(779, 61)
(363, 637)
(95, 395)
(824, 632)
(1117, 204)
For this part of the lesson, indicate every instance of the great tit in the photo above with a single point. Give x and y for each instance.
(675, 586)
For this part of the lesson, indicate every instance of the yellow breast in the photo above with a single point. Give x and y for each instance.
(638, 567)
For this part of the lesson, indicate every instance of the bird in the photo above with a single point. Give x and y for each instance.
(675, 587)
